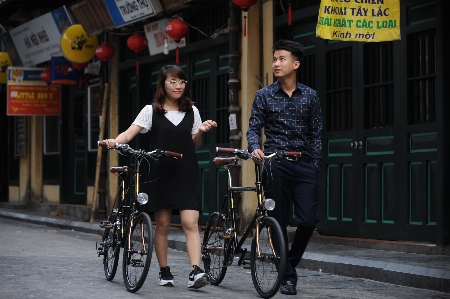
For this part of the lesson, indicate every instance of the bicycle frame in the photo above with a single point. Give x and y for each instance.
(134, 210)
(128, 218)
(260, 212)
(220, 242)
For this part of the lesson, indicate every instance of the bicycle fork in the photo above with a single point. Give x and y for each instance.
(130, 250)
(269, 237)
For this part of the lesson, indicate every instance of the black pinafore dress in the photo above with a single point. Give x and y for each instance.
(174, 184)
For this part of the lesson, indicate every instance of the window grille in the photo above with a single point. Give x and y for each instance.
(200, 92)
(421, 77)
(339, 90)
(223, 131)
(378, 85)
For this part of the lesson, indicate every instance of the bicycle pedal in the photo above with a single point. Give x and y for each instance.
(106, 224)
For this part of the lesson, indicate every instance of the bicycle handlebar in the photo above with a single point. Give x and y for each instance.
(244, 154)
(155, 154)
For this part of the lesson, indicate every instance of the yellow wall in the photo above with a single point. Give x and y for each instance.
(249, 70)
(14, 194)
(36, 158)
(51, 193)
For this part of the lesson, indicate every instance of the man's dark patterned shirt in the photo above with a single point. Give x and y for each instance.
(290, 123)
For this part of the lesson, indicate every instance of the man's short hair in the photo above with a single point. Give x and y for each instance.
(295, 48)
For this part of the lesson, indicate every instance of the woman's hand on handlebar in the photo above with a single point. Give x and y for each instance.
(110, 143)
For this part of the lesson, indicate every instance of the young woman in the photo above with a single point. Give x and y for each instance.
(175, 125)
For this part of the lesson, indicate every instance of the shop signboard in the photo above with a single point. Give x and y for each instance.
(156, 35)
(124, 12)
(360, 21)
(29, 95)
(38, 40)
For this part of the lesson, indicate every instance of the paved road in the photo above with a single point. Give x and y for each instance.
(44, 262)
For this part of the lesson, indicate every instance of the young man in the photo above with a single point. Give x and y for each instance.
(291, 117)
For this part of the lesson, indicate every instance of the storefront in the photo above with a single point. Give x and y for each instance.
(384, 142)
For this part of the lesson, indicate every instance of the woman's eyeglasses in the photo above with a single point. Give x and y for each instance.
(173, 82)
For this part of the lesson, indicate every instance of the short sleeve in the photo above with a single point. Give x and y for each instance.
(144, 119)
(197, 121)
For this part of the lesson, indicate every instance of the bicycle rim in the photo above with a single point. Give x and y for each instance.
(136, 261)
(267, 258)
(111, 254)
(214, 249)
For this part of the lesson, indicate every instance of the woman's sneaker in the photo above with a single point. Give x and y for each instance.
(165, 277)
(197, 278)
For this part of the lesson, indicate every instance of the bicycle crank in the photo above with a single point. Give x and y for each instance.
(137, 263)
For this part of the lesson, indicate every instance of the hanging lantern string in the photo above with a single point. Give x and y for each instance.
(222, 30)
(289, 13)
(245, 25)
(137, 64)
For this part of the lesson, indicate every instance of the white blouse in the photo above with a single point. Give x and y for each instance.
(144, 118)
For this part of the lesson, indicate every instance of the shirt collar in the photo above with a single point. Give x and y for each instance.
(277, 86)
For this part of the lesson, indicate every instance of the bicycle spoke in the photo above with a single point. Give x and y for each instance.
(214, 249)
(138, 253)
(267, 258)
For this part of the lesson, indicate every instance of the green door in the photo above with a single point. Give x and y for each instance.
(73, 158)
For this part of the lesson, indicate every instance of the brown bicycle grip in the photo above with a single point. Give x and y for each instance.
(295, 154)
(225, 150)
(101, 143)
(174, 154)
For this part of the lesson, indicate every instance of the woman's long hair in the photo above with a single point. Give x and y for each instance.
(185, 102)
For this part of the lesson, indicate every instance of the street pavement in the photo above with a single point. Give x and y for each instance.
(41, 261)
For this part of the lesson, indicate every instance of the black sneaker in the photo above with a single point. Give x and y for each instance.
(288, 288)
(165, 277)
(197, 278)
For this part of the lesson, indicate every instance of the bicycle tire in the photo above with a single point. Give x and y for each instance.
(267, 268)
(214, 249)
(111, 251)
(136, 261)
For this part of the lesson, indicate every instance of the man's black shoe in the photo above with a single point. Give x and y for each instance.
(288, 288)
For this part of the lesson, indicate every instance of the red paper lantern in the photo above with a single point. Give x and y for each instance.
(245, 5)
(177, 29)
(46, 76)
(105, 51)
(137, 43)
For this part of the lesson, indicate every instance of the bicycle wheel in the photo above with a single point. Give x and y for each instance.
(136, 261)
(111, 251)
(268, 258)
(214, 249)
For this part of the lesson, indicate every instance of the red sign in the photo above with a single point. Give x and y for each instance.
(34, 100)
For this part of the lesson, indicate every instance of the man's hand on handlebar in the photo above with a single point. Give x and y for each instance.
(258, 154)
